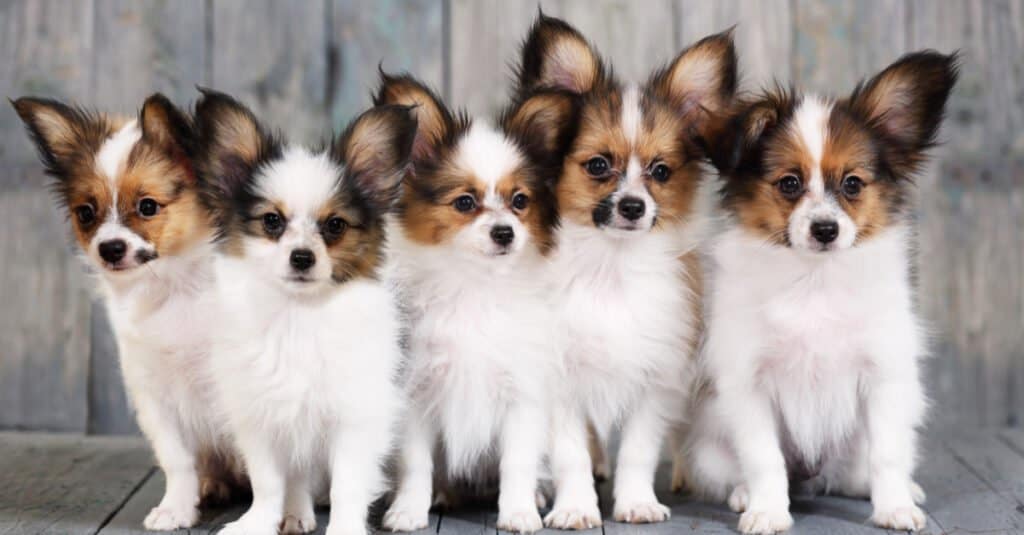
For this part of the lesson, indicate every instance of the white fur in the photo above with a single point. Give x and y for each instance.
(629, 312)
(812, 360)
(482, 354)
(160, 315)
(306, 370)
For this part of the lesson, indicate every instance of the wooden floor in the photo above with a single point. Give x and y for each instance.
(63, 484)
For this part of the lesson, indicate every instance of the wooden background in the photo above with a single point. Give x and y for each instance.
(308, 66)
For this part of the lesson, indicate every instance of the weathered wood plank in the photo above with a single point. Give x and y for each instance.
(465, 522)
(399, 35)
(993, 461)
(64, 484)
(273, 57)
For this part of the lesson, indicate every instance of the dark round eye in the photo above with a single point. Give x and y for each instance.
(335, 226)
(852, 185)
(272, 223)
(519, 201)
(148, 207)
(660, 172)
(85, 214)
(465, 203)
(790, 186)
(597, 167)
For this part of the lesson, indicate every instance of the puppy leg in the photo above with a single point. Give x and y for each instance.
(299, 516)
(680, 470)
(639, 453)
(268, 476)
(179, 506)
(892, 438)
(410, 509)
(716, 471)
(356, 474)
(575, 498)
(522, 443)
(598, 454)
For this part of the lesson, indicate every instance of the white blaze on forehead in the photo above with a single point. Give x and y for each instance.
(631, 114)
(113, 155)
(810, 126)
(487, 154)
(301, 181)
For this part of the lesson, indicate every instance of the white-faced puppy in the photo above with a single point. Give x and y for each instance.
(811, 364)
(131, 193)
(633, 207)
(474, 230)
(309, 351)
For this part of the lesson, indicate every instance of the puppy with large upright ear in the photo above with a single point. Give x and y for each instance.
(474, 232)
(817, 191)
(306, 378)
(130, 189)
(633, 203)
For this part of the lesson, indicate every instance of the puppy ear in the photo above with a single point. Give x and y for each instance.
(435, 124)
(543, 124)
(556, 56)
(165, 126)
(232, 143)
(701, 81)
(906, 102)
(734, 139)
(62, 134)
(375, 150)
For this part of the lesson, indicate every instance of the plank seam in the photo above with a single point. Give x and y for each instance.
(981, 478)
(124, 502)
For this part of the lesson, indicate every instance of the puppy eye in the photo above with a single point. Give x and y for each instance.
(660, 172)
(597, 167)
(272, 223)
(519, 201)
(465, 203)
(148, 207)
(85, 214)
(851, 186)
(790, 186)
(334, 227)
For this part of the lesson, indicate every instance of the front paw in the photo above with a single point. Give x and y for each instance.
(765, 522)
(171, 518)
(522, 521)
(900, 518)
(346, 528)
(403, 519)
(294, 525)
(739, 499)
(244, 527)
(573, 517)
(641, 512)
(917, 493)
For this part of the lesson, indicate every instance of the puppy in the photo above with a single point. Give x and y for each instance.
(811, 363)
(130, 190)
(633, 206)
(475, 227)
(307, 356)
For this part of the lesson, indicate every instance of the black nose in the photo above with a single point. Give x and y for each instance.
(113, 251)
(632, 208)
(825, 231)
(502, 235)
(302, 259)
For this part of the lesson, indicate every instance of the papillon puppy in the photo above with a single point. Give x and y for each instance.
(634, 206)
(810, 369)
(474, 230)
(308, 351)
(131, 193)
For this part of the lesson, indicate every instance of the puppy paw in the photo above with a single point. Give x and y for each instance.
(739, 499)
(527, 521)
(346, 528)
(295, 525)
(900, 518)
(244, 527)
(641, 512)
(170, 518)
(401, 519)
(573, 518)
(765, 522)
(917, 493)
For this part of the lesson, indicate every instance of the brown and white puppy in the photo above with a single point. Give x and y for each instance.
(811, 365)
(634, 203)
(474, 232)
(130, 189)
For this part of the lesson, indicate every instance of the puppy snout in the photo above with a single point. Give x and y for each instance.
(825, 231)
(302, 259)
(112, 251)
(502, 235)
(632, 208)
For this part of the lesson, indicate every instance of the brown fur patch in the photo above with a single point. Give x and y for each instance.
(429, 216)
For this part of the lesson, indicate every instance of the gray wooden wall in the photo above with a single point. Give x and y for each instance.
(308, 66)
